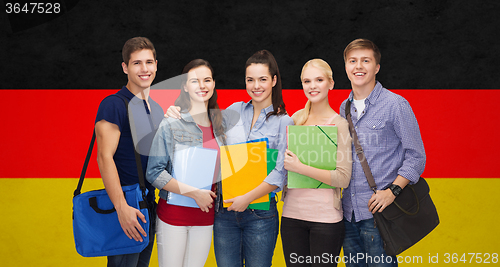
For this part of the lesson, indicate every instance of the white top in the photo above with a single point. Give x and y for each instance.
(360, 106)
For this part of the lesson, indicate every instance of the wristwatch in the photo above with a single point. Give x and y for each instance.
(396, 189)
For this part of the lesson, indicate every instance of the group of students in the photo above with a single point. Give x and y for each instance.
(315, 222)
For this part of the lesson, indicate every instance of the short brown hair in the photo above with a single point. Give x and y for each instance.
(135, 44)
(363, 44)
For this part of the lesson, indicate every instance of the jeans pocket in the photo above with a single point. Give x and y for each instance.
(264, 214)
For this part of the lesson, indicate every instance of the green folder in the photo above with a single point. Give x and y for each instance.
(315, 146)
(272, 156)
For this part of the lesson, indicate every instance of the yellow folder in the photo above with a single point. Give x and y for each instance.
(243, 167)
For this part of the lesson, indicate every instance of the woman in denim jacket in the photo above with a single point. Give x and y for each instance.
(184, 234)
(242, 236)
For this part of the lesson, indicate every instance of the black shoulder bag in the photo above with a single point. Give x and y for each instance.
(410, 217)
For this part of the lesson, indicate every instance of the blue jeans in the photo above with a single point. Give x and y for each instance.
(138, 259)
(246, 238)
(363, 245)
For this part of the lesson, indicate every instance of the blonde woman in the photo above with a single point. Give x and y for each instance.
(311, 224)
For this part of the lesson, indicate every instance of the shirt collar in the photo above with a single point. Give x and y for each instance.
(249, 104)
(187, 117)
(125, 92)
(131, 97)
(375, 93)
(373, 96)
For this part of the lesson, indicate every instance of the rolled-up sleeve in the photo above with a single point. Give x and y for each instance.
(159, 157)
(407, 129)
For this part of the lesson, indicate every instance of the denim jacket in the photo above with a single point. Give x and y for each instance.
(170, 133)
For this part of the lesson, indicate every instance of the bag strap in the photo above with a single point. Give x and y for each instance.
(142, 184)
(85, 165)
(359, 149)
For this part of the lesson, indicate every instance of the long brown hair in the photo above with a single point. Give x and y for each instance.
(265, 57)
(184, 101)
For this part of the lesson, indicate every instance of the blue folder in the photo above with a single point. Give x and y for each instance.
(193, 166)
(263, 139)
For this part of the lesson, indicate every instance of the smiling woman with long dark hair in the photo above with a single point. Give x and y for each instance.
(184, 234)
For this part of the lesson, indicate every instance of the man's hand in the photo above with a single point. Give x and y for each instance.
(380, 200)
(127, 216)
(384, 198)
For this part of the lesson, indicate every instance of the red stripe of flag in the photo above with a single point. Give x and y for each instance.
(45, 133)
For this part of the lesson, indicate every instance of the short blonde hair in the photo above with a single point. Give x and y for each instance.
(363, 44)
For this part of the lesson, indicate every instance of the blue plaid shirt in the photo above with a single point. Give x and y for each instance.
(389, 134)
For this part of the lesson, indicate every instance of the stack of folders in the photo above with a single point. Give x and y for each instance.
(193, 166)
(245, 166)
(315, 146)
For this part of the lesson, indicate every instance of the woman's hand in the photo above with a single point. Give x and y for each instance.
(204, 198)
(240, 203)
(173, 112)
(292, 162)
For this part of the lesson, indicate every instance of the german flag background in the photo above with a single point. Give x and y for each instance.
(442, 56)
